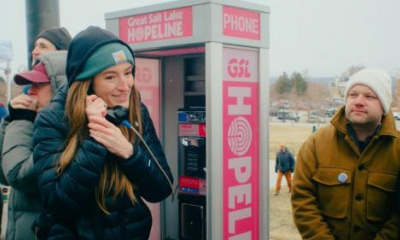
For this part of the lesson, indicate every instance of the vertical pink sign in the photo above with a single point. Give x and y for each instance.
(147, 80)
(162, 25)
(240, 144)
(240, 23)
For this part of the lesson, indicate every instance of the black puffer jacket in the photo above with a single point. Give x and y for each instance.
(70, 196)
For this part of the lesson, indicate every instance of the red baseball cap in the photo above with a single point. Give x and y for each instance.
(37, 75)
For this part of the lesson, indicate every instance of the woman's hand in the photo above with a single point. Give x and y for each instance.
(24, 101)
(110, 136)
(95, 106)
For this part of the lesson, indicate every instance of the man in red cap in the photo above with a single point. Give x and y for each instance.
(16, 142)
(39, 94)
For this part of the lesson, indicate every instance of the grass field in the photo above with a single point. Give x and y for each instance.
(293, 135)
(281, 225)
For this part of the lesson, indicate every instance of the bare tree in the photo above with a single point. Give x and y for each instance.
(317, 95)
(352, 70)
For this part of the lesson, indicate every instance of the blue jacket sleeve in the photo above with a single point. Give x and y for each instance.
(141, 169)
(64, 194)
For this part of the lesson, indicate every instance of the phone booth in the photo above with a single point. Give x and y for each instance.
(202, 70)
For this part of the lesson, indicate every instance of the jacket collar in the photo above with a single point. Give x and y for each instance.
(61, 94)
(388, 126)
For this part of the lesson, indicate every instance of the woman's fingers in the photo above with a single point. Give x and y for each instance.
(109, 136)
(22, 101)
(100, 121)
(95, 106)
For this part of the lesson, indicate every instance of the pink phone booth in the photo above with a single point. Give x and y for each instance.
(202, 69)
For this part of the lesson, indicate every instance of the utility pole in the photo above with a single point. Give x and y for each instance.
(40, 14)
(7, 72)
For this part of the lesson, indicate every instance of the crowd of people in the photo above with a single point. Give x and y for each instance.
(74, 173)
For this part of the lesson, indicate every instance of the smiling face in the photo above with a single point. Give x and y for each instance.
(363, 106)
(114, 85)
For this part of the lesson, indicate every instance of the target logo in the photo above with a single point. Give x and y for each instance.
(138, 34)
(239, 136)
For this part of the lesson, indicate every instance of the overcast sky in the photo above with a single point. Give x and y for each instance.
(322, 37)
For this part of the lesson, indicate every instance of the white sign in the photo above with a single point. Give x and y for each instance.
(5, 51)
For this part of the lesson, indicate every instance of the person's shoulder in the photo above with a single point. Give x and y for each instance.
(323, 130)
(320, 136)
(56, 108)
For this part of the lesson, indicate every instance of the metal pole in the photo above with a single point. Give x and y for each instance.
(40, 14)
(8, 79)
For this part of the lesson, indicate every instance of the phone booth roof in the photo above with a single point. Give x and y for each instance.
(189, 24)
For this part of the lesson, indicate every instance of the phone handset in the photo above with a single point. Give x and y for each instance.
(118, 115)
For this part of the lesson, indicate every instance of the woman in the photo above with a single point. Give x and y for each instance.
(16, 144)
(93, 174)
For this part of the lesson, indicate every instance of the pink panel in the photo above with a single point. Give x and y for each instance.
(240, 144)
(147, 80)
(241, 23)
(174, 52)
(162, 25)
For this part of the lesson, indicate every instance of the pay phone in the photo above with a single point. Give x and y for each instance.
(192, 173)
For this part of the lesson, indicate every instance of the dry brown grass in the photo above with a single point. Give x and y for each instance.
(281, 225)
(292, 134)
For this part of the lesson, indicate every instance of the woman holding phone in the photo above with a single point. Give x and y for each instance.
(93, 174)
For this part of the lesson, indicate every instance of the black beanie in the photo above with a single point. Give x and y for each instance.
(84, 45)
(59, 36)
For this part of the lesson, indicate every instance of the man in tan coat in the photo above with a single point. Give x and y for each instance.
(345, 179)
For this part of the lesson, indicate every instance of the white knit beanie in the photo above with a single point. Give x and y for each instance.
(378, 80)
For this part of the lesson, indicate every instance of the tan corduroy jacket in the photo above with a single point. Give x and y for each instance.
(339, 193)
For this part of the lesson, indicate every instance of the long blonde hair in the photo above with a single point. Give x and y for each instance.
(112, 179)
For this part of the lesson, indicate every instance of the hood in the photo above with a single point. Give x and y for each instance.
(55, 63)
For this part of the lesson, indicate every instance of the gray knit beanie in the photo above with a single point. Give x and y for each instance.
(59, 36)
